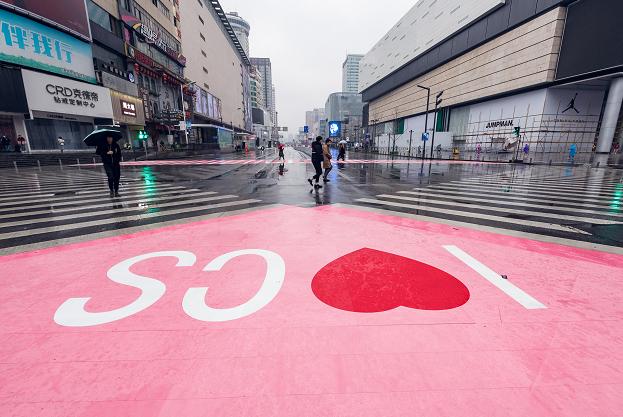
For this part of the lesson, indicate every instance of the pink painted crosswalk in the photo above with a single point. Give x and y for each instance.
(189, 162)
(388, 317)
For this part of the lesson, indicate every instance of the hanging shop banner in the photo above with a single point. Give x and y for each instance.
(30, 44)
(68, 15)
(46, 93)
(152, 36)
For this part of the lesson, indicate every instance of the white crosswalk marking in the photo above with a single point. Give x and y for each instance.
(574, 206)
(74, 204)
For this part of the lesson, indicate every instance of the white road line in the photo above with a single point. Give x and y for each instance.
(463, 214)
(114, 220)
(77, 189)
(571, 190)
(496, 279)
(517, 197)
(460, 196)
(56, 207)
(151, 203)
(490, 191)
(503, 210)
(51, 199)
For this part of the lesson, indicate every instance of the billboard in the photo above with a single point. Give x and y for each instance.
(52, 95)
(70, 15)
(31, 44)
(335, 129)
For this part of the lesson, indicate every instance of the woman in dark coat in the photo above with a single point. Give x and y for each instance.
(110, 152)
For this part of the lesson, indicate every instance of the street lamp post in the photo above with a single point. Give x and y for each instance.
(374, 121)
(438, 101)
(426, 119)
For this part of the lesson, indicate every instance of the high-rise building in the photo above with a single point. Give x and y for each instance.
(313, 120)
(346, 108)
(264, 66)
(257, 89)
(220, 70)
(350, 73)
(241, 28)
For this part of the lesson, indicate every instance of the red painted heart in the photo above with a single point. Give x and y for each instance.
(371, 281)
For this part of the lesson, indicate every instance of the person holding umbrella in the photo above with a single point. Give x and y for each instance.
(342, 151)
(109, 150)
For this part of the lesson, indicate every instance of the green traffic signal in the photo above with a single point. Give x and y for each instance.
(142, 135)
(517, 131)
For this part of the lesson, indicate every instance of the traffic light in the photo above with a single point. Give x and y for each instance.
(142, 135)
(517, 131)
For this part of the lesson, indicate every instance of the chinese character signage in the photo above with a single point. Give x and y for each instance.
(70, 15)
(152, 36)
(128, 109)
(46, 93)
(30, 44)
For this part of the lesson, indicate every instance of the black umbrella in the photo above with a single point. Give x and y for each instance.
(99, 136)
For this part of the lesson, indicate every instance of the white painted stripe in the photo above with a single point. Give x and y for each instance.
(134, 218)
(95, 188)
(51, 199)
(528, 181)
(514, 292)
(570, 190)
(107, 204)
(149, 204)
(502, 196)
(503, 210)
(466, 197)
(560, 196)
(22, 190)
(541, 225)
(607, 180)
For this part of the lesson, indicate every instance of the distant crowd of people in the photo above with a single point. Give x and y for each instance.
(8, 145)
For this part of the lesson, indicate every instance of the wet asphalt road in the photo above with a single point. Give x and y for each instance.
(53, 206)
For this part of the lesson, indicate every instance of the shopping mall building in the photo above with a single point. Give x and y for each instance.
(552, 68)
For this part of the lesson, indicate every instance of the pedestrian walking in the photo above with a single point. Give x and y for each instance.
(326, 153)
(5, 143)
(281, 151)
(110, 152)
(317, 158)
(341, 152)
(573, 150)
(61, 143)
(22, 142)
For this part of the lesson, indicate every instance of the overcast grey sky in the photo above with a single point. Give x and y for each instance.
(307, 42)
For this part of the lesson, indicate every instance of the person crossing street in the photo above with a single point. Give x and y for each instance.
(110, 152)
(317, 158)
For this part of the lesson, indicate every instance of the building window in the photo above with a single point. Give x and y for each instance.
(200, 3)
(205, 70)
(99, 15)
(155, 2)
(204, 53)
(201, 20)
(202, 37)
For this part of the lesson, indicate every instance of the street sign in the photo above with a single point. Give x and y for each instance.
(306, 129)
(425, 136)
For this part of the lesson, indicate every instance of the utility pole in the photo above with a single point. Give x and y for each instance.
(410, 141)
(426, 119)
(438, 101)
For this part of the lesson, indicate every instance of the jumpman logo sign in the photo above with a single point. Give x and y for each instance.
(572, 105)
